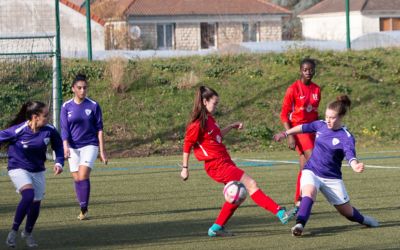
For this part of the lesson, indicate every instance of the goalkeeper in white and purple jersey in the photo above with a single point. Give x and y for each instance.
(322, 171)
(27, 139)
(82, 135)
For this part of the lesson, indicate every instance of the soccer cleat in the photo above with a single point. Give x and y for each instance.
(370, 222)
(297, 230)
(284, 216)
(219, 233)
(30, 241)
(11, 237)
(83, 216)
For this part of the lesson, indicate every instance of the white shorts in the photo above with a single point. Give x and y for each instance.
(333, 189)
(85, 156)
(20, 177)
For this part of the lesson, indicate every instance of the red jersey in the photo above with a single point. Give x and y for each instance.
(300, 104)
(207, 144)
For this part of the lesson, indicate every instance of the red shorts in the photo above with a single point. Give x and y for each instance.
(304, 142)
(223, 170)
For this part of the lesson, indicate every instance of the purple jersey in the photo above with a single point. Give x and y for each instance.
(27, 150)
(80, 123)
(331, 146)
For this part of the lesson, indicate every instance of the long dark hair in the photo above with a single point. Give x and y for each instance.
(199, 111)
(27, 110)
(341, 105)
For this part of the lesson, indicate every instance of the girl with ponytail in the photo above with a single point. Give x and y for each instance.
(322, 172)
(27, 138)
(204, 136)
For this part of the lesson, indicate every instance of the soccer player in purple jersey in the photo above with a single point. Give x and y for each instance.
(82, 135)
(322, 171)
(27, 139)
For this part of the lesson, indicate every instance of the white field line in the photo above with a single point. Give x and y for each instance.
(294, 162)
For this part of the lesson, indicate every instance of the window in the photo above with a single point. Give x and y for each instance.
(208, 31)
(389, 23)
(165, 36)
(250, 32)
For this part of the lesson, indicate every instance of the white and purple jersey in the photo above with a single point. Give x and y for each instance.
(80, 123)
(27, 150)
(331, 147)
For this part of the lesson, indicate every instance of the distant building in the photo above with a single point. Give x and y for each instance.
(188, 24)
(327, 19)
(22, 17)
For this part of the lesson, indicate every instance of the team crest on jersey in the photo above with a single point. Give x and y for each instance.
(69, 113)
(317, 134)
(335, 141)
(218, 138)
(88, 112)
(46, 140)
(315, 96)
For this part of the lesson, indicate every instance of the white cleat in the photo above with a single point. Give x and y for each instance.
(297, 230)
(11, 238)
(370, 222)
(30, 241)
(83, 216)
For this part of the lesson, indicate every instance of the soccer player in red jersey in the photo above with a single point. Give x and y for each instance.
(205, 137)
(300, 105)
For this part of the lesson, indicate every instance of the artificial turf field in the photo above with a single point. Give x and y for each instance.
(141, 203)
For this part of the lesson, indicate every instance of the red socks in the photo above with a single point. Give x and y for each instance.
(226, 212)
(297, 195)
(264, 201)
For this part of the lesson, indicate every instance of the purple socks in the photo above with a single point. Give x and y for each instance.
(23, 207)
(33, 214)
(305, 210)
(357, 216)
(82, 189)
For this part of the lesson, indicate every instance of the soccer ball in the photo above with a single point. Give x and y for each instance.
(235, 192)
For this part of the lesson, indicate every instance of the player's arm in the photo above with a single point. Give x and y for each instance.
(191, 137)
(287, 109)
(350, 154)
(292, 131)
(236, 125)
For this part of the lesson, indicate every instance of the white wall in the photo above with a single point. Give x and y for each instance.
(22, 17)
(331, 26)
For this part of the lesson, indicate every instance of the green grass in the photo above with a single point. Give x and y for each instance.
(142, 203)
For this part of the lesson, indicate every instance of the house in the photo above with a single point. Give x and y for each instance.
(327, 19)
(37, 17)
(189, 24)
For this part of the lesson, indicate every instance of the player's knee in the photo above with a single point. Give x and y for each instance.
(28, 195)
(251, 186)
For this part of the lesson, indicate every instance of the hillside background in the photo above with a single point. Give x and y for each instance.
(146, 103)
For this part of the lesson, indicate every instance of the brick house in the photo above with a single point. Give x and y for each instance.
(189, 24)
(327, 19)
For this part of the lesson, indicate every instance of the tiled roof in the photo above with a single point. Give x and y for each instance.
(331, 6)
(81, 10)
(203, 7)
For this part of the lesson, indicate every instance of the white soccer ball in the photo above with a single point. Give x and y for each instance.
(235, 192)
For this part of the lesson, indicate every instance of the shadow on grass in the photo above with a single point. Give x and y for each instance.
(90, 235)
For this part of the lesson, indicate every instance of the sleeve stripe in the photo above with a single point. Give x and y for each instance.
(352, 159)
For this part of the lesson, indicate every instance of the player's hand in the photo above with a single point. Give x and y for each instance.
(103, 157)
(237, 125)
(291, 142)
(185, 173)
(57, 169)
(67, 153)
(280, 136)
(358, 168)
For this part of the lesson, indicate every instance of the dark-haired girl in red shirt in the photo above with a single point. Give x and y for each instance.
(205, 137)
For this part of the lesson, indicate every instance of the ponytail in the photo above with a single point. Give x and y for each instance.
(199, 111)
(341, 105)
(26, 112)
